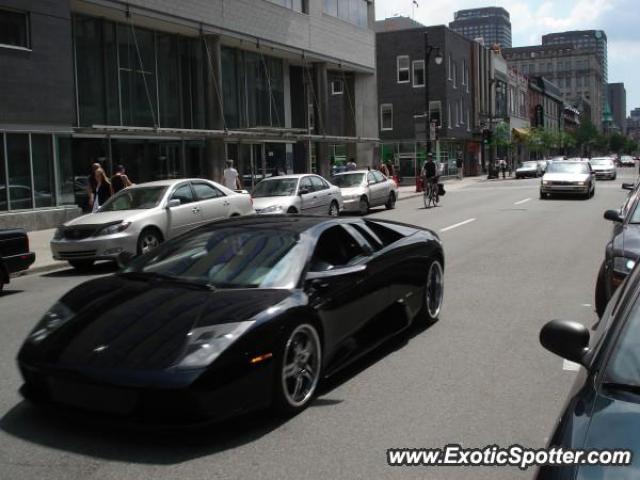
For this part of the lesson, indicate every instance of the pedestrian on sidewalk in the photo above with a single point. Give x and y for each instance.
(384, 169)
(351, 164)
(120, 180)
(460, 165)
(231, 177)
(503, 168)
(102, 190)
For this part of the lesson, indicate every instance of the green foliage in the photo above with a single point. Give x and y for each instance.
(617, 142)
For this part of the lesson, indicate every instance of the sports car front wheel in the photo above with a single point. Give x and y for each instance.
(299, 369)
(433, 292)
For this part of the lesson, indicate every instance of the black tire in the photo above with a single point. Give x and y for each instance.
(284, 400)
(601, 299)
(149, 239)
(363, 206)
(432, 299)
(82, 265)
(391, 202)
(543, 196)
(292, 210)
(334, 209)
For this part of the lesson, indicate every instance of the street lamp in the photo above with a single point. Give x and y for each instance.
(428, 50)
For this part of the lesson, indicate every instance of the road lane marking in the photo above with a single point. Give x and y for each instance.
(522, 201)
(570, 366)
(586, 304)
(456, 225)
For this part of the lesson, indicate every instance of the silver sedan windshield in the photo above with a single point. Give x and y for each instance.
(282, 187)
(134, 199)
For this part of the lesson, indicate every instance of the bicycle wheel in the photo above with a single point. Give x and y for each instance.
(425, 198)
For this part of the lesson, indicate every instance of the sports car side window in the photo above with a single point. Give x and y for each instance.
(335, 248)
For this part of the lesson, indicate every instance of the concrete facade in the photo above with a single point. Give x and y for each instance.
(490, 25)
(617, 95)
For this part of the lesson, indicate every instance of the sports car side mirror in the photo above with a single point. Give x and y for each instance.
(612, 215)
(174, 202)
(628, 186)
(336, 272)
(566, 339)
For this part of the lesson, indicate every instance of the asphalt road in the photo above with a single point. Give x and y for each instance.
(477, 377)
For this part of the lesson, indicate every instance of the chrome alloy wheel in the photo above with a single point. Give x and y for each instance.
(334, 211)
(301, 365)
(435, 289)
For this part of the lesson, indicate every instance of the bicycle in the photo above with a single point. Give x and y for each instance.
(430, 195)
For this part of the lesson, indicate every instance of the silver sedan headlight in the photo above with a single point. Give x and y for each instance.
(273, 209)
(205, 344)
(112, 229)
(55, 317)
(59, 233)
(623, 265)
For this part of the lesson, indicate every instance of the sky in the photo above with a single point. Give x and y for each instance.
(530, 19)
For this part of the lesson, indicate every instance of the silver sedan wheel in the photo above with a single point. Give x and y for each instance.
(301, 365)
(333, 210)
(149, 241)
(435, 289)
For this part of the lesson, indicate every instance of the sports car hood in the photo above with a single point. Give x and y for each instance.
(566, 177)
(615, 423)
(102, 218)
(122, 323)
(626, 243)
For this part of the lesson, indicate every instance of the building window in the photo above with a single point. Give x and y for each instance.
(418, 73)
(449, 115)
(455, 75)
(468, 120)
(300, 6)
(435, 107)
(386, 116)
(449, 67)
(402, 62)
(355, 12)
(337, 87)
(14, 29)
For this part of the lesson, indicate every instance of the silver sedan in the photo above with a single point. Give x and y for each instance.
(363, 189)
(307, 194)
(137, 219)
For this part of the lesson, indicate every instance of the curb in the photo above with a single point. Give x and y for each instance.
(40, 269)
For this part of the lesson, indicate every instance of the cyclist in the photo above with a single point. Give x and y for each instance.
(430, 176)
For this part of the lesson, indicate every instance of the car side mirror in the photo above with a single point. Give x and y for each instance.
(303, 191)
(613, 215)
(174, 202)
(338, 272)
(628, 186)
(124, 259)
(569, 340)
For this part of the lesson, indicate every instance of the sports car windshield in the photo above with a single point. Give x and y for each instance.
(283, 187)
(348, 180)
(624, 364)
(233, 257)
(568, 168)
(134, 199)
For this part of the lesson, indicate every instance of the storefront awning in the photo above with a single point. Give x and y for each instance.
(522, 133)
(250, 135)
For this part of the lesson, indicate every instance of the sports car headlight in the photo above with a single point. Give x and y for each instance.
(111, 229)
(623, 265)
(272, 209)
(58, 234)
(55, 317)
(205, 344)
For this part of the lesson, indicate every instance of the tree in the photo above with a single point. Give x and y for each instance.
(617, 142)
(586, 135)
(630, 146)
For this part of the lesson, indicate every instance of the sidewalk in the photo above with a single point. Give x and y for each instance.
(39, 244)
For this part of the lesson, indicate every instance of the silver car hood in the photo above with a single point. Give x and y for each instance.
(264, 202)
(101, 218)
(566, 177)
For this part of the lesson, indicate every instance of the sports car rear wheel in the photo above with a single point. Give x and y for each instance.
(434, 292)
(299, 372)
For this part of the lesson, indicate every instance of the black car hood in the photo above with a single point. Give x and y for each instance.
(121, 323)
(626, 242)
(615, 423)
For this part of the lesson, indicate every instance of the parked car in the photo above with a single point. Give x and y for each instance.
(139, 218)
(623, 249)
(362, 189)
(627, 161)
(543, 165)
(14, 253)
(529, 169)
(602, 410)
(603, 167)
(568, 177)
(306, 194)
(233, 316)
